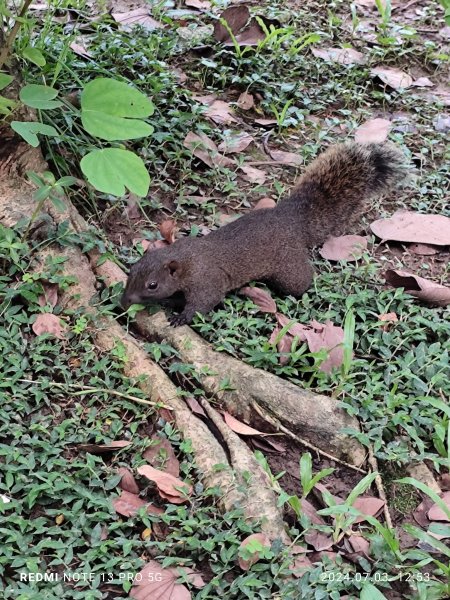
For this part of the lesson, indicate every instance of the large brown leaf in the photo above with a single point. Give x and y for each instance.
(128, 504)
(260, 538)
(261, 298)
(48, 323)
(236, 17)
(166, 483)
(409, 226)
(343, 56)
(344, 247)
(206, 150)
(162, 455)
(421, 288)
(235, 143)
(373, 131)
(394, 78)
(139, 16)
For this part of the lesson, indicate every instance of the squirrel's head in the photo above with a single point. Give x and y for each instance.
(156, 276)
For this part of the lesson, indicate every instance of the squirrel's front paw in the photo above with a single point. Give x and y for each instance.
(177, 320)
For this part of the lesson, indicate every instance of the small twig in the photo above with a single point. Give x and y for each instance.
(408, 5)
(91, 390)
(265, 139)
(12, 34)
(302, 441)
(380, 487)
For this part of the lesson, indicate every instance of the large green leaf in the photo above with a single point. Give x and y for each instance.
(34, 55)
(112, 170)
(28, 131)
(6, 105)
(112, 128)
(5, 80)
(39, 96)
(111, 110)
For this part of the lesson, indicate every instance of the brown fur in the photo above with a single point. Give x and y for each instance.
(268, 244)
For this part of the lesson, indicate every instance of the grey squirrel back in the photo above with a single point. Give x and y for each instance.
(269, 244)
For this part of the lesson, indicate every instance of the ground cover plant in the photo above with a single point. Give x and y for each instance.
(101, 492)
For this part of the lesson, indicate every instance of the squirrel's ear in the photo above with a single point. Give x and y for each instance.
(173, 267)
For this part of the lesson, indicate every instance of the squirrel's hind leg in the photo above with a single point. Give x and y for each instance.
(293, 278)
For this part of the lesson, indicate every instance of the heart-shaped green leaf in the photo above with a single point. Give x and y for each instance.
(28, 131)
(111, 110)
(34, 55)
(5, 80)
(39, 96)
(111, 128)
(6, 105)
(112, 170)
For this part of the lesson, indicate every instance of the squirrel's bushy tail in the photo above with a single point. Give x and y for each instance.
(334, 189)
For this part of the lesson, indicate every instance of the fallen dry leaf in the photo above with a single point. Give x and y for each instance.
(128, 504)
(195, 406)
(408, 226)
(284, 344)
(286, 158)
(421, 288)
(80, 50)
(202, 5)
(265, 203)
(238, 426)
(261, 298)
(246, 32)
(259, 538)
(245, 101)
(265, 122)
(128, 482)
(235, 143)
(236, 18)
(343, 56)
(436, 513)
(394, 78)
(102, 448)
(139, 16)
(318, 540)
(48, 323)
(154, 582)
(50, 295)
(166, 483)
(253, 175)
(300, 566)
(162, 455)
(206, 99)
(206, 150)
(420, 514)
(423, 82)
(220, 112)
(250, 36)
(168, 229)
(359, 544)
(387, 319)
(422, 249)
(330, 337)
(373, 131)
(367, 505)
(344, 247)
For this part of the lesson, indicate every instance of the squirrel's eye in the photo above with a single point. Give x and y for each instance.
(152, 285)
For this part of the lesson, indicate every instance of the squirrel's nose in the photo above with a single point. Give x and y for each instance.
(128, 299)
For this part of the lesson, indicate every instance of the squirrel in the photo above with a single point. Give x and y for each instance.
(269, 244)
